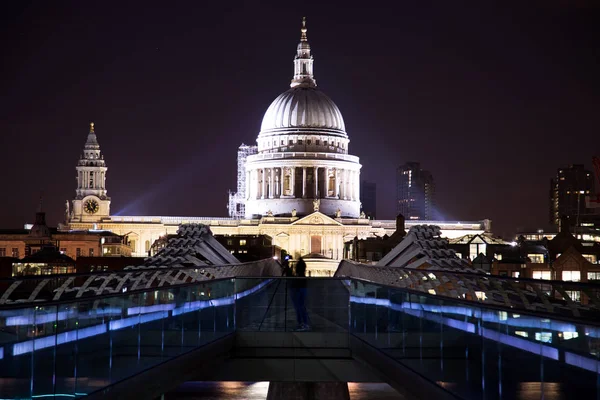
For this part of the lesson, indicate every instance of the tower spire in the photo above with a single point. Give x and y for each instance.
(303, 62)
(303, 30)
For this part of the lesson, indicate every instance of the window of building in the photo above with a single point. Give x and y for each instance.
(541, 275)
(317, 142)
(515, 274)
(574, 276)
(78, 252)
(290, 142)
(242, 242)
(300, 141)
(282, 142)
(308, 141)
(545, 337)
(229, 242)
(91, 252)
(15, 252)
(575, 295)
(593, 276)
(63, 250)
(498, 256)
(590, 257)
(147, 245)
(536, 258)
(2, 251)
(324, 142)
(477, 248)
(502, 273)
(522, 333)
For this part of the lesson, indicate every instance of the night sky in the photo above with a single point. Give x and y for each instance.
(492, 98)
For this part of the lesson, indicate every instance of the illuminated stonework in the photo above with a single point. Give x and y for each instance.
(301, 188)
(91, 202)
(302, 152)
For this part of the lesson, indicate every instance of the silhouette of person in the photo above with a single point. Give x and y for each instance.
(286, 269)
(299, 296)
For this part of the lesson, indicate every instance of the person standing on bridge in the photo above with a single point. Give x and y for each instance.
(298, 293)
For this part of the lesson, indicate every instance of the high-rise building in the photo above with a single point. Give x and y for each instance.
(237, 200)
(414, 192)
(368, 198)
(567, 194)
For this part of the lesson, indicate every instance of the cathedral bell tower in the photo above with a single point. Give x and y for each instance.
(91, 203)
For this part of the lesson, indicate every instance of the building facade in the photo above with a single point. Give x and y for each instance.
(303, 156)
(237, 201)
(414, 192)
(568, 191)
(299, 185)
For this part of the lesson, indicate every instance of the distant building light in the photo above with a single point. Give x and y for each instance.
(513, 243)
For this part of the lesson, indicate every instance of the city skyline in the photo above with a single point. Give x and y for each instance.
(155, 124)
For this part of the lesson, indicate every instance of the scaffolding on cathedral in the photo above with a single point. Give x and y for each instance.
(237, 200)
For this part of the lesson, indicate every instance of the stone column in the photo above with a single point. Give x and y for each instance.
(281, 180)
(326, 182)
(271, 183)
(293, 182)
(263, 183)
(352, 183)
(303, 182)
(337, 183)
(357, 186)
(316, 173)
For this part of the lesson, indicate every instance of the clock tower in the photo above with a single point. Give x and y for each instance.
(91, 203)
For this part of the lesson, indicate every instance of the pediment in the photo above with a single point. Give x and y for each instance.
(282, 234)
(316, 218)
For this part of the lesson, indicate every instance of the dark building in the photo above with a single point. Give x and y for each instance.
(371, 250)
(568, 191)
(248, 248)
(103, 264)
(368, 198)
(414, 192)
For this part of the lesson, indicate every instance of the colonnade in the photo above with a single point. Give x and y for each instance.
(280, 182)
(96, 178)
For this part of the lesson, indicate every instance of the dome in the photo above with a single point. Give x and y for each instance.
(302, 107)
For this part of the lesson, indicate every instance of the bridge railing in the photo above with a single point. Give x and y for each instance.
(554, 298)
(72, 348)
(39, 289)
(476, 351)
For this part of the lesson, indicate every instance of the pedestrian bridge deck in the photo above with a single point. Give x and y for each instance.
(423, 344)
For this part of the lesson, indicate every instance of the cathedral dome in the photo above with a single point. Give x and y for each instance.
(302, 106)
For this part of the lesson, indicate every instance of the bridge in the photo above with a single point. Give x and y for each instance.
(430, 333)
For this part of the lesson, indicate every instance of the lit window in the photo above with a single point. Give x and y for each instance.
(570, 335)
(593, 276)
(541, 275)
(15, 252)
(2, 252)
(242, 242)
(574, 295)
(590, 257)
(522, 333)
(515, 274)
(545, 337)
(536, 258)
(91, 252)
(574, 276)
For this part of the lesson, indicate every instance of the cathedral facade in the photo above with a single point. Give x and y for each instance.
(300, 185)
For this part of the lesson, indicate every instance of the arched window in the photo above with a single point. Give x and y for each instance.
(147, 245)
